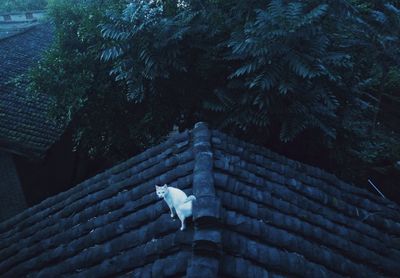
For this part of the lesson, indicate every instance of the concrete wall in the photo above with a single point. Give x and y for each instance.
(15, 23)
(12, 199)
(21, 16)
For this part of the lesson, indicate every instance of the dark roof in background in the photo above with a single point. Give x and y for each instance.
(10, 29)
(25, 126)
(257, 214)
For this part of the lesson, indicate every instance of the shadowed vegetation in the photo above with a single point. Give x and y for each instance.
(316, 80)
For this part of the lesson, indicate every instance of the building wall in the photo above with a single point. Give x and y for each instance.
(12, 200)
(15, 23)
(60, 169)
(21, 16)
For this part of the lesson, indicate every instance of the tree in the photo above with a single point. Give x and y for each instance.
(286, 68)
(370, 125)
(104, 123)
(278, 73)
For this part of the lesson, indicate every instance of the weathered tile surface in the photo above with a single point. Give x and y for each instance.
(25, 125)
(257, 214)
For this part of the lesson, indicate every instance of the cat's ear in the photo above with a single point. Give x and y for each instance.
(157, 186)
(165, 186)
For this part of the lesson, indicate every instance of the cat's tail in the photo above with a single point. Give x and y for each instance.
(190, 198)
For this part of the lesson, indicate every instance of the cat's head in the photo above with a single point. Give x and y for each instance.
(161, 191)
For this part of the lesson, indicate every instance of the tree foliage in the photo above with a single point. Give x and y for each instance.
(105, 125)
(288, 67)
(278, 73)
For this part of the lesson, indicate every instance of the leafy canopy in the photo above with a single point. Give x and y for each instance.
(310, 79)
(279, 69)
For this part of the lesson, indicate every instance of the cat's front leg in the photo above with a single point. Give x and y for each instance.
(172, 211)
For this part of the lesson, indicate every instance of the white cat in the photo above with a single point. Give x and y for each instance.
(178, 200)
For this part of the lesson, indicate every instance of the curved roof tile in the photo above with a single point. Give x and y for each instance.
(25, 126)
(257, 214)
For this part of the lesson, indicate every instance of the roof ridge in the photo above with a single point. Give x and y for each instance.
(206, 247)
(114, 224)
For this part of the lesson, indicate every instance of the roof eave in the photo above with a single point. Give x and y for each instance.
(21, 150)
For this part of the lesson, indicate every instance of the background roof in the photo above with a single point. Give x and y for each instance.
(25, 126)
(257, 214)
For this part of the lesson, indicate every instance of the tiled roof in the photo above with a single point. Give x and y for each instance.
(257, 214)
(25, 126)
